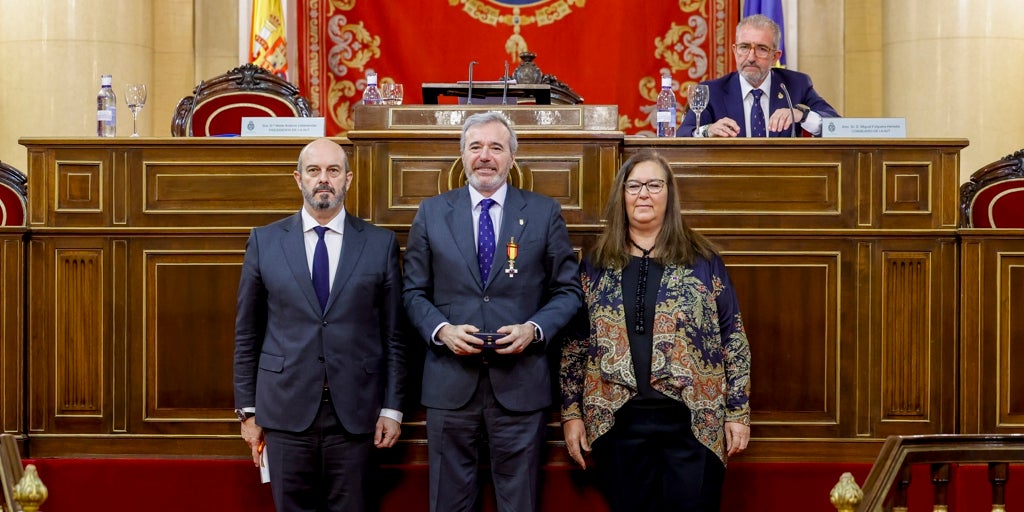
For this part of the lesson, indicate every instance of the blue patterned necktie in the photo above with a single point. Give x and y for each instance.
(485, 240)
(757, 116)
(321, 268)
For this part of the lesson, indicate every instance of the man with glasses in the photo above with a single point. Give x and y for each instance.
(751, 102)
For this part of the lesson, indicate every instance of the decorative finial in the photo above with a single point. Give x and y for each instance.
(846, 495)
(30, 492)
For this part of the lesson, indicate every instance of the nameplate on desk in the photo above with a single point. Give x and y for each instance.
(282, 127)
(865, 127)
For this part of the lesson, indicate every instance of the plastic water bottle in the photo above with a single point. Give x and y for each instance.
(666, 109)
(371, 95)
(106, 109)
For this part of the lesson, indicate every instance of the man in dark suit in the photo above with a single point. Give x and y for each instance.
(488, 257)
(319, 365)
(729, 114)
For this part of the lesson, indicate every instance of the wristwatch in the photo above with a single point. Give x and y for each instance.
(804, 109)
(536, 333)
(704, 130)
(244, 415)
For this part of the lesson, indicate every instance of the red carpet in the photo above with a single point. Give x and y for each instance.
(205, 485)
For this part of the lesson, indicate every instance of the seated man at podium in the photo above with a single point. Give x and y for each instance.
(730, 111)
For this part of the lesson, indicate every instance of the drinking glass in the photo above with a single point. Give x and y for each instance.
(698, 97)
(135, 96)
(392, 93)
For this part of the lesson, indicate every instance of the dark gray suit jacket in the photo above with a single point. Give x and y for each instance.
(285, 345)
(442, 284)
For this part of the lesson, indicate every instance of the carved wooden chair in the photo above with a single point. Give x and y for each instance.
(994, 196)
(12, 196)
(217, 106)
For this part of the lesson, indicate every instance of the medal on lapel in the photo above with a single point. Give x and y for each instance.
(512, 250)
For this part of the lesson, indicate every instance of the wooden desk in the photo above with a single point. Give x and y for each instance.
(844, 253)
(992, 331)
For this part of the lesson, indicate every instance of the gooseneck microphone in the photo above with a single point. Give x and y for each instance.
(792, 111)
(504, 91)
(469, 94)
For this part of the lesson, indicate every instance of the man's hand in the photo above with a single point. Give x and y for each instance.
(459, 339)
(576, 440)
(782, 119)
(252, 434)
(519, 337)
(737, 436)
(387, 432)
(724, 127)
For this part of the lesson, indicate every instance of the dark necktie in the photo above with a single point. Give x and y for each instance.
(485, 240)
(757, 116)
(321, 268)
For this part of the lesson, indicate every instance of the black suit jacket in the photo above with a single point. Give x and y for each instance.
(285, 346)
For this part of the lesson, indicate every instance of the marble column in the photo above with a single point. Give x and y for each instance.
(953, 68)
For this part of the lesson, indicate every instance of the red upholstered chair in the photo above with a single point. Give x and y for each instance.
(218, 105)
(994, 196)
(12, 196)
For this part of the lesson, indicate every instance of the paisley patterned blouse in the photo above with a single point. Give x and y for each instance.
(700, 355)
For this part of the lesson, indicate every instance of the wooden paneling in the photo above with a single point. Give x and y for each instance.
(992, 334)
(844, 254)
(12, 272)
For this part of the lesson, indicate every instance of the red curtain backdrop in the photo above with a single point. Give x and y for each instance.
(611, 52)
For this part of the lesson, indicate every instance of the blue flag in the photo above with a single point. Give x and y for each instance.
(773, 10)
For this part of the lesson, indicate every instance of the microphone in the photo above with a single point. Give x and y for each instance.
(792, 111)
(469, 95)
(504, 92)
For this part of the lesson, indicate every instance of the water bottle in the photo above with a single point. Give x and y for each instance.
(371, 95)
(106, 109)
(666, 109)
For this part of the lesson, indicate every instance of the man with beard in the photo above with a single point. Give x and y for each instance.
(319, 365)
(488, 258)
(731, 110)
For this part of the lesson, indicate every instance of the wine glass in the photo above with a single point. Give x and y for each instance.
(697, 95)
(135, 96)
(392, 93)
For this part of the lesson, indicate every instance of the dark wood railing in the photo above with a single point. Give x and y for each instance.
(887, 483)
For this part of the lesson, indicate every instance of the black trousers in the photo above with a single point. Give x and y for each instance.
(320, 469)
(650, 462)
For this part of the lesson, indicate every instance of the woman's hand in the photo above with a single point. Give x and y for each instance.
(576, 440)
(737, 436)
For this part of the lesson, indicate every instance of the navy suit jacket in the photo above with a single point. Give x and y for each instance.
(442, 284)
(285, 345)
(726, 100)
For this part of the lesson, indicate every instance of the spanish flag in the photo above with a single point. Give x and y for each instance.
(267, 41)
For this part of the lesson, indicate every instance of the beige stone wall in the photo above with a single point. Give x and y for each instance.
(821, 47)
(53, 57)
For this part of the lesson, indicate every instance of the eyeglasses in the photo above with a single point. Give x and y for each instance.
(653, 186)
(760, 50)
